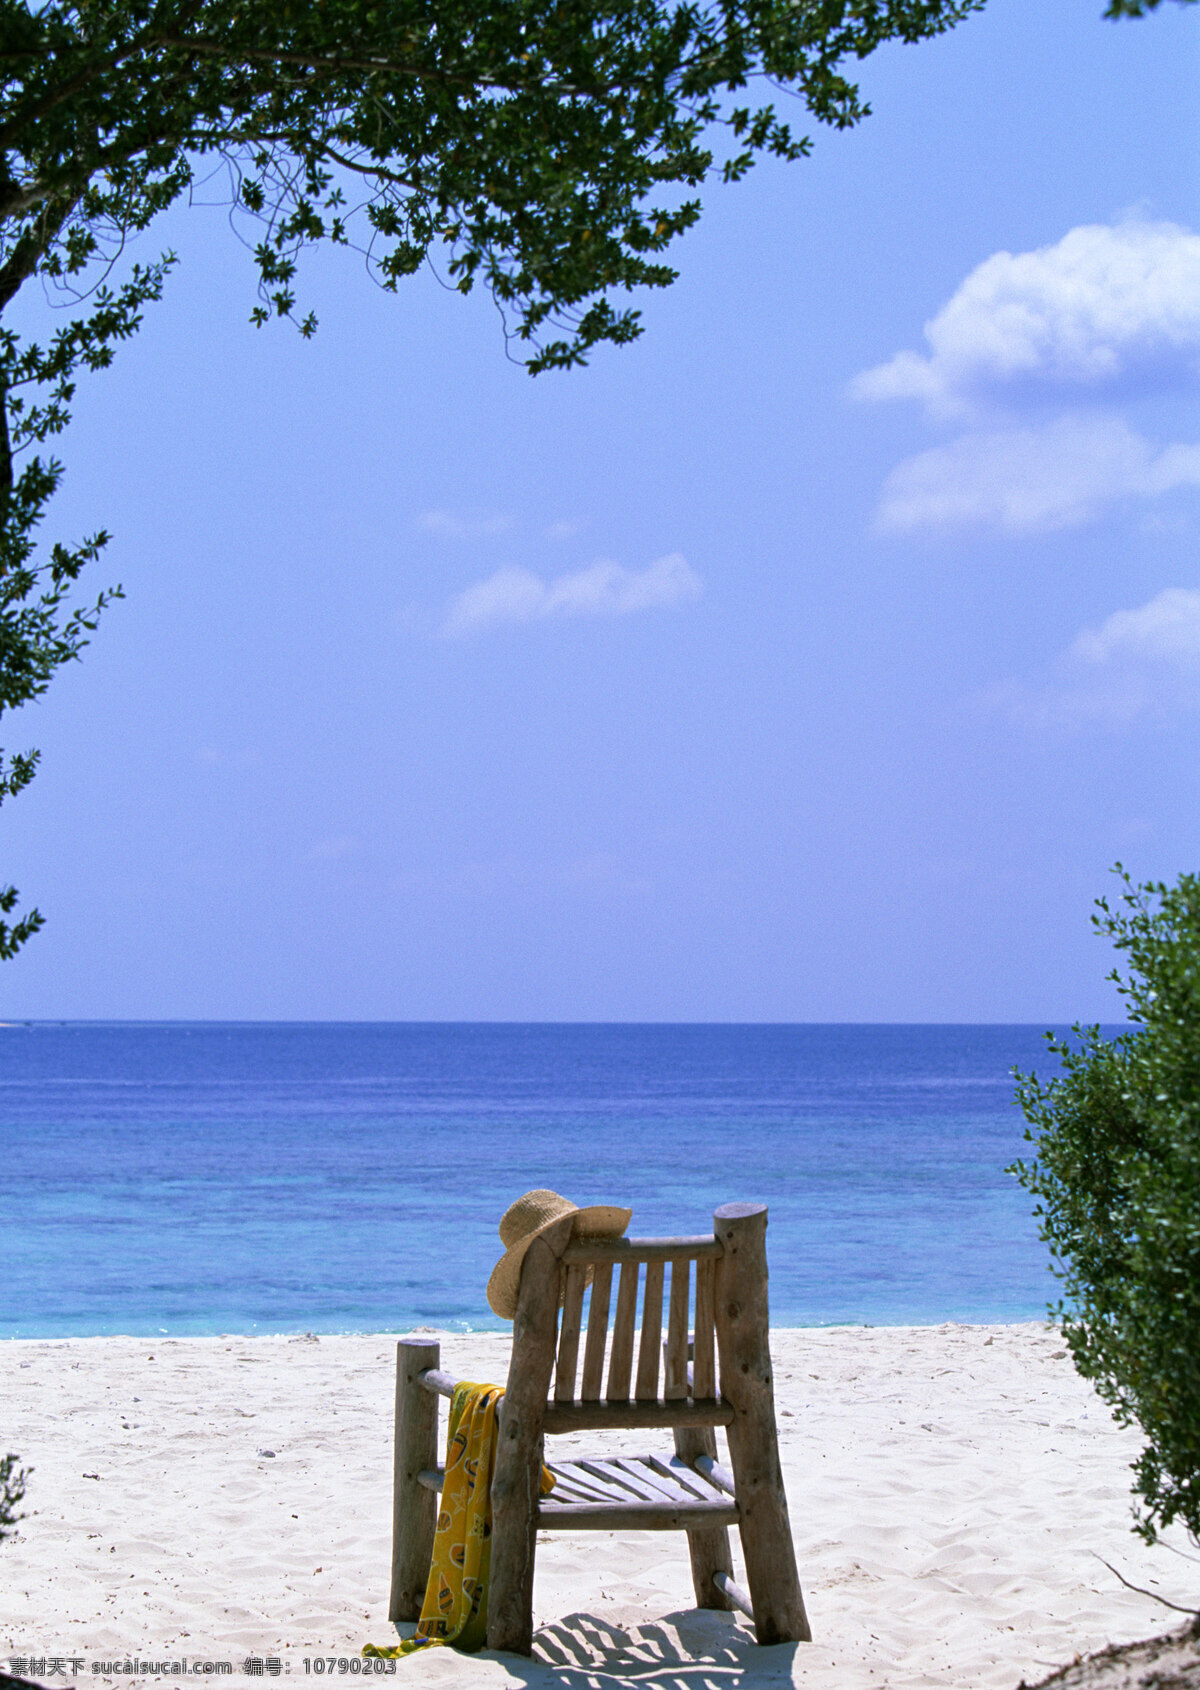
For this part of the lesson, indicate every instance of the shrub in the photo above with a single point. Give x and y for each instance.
(12, 1489)
(1116, 1175)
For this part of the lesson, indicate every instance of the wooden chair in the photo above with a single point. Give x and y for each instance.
(689, 1491)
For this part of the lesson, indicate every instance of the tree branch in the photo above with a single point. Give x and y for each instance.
(23, 260)
(64, 91)
(21, 197)
(332, 65)
(6, 457)
(1153, 1595)
(376, 170)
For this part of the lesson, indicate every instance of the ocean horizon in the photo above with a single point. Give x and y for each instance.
(176, 1178)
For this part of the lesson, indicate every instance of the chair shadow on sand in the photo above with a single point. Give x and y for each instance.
(692, 1649)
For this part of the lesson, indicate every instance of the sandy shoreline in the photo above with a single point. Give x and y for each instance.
(950, 1489)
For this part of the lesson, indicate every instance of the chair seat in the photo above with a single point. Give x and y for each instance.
(640, 1492)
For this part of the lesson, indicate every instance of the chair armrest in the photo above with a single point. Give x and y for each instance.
(442, 1384)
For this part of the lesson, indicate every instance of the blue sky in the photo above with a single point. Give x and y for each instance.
(811, 659)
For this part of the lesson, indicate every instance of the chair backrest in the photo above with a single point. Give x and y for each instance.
(643, 1273)
(715, 1285)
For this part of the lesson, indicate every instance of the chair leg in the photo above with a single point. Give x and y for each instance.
(743, 1339)
(767, 1548)
(514, 1551)
(516, 1478)
(708, 1547)
(414, 1509)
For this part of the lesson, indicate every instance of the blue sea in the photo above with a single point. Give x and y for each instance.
(196, 1178)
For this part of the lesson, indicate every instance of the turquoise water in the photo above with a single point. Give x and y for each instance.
(191, 1178)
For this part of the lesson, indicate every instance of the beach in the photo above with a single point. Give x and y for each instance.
(951, 1490)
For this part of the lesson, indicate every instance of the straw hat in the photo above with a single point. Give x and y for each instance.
(527, 1219)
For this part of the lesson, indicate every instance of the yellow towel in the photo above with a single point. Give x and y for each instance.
(455, 1607)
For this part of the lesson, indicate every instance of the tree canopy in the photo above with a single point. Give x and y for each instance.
(523, 140)
(1116, 1175)
(550, 151)
(1136, 8)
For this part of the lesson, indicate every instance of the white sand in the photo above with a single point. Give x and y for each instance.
(950, 1488)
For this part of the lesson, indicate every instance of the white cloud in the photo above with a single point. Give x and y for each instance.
(1167, 630)
(1031, 480)
(1142, 662)
(1103, 307)
(602, 589)
(1102, 304)
(447, 526)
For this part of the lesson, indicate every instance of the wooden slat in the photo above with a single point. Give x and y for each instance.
(733, 1591)
(597, 1334)
(568, 1335)
(569, 1489)
(583, 1478)
(620, 1485)
(620, 1361)
(628, 1416)
(648, 1484)
(720, 1476)
(682, 1475)
(433, 1379)
(647, 1367)
(687, 1478)
(643, 1249)
(704, 1371)
(707, 1479)
(633, 1516)
(658, 1474)
(566, 1493)
(609, 1475)
(581, 1481)
(675, 1357)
